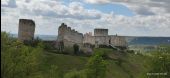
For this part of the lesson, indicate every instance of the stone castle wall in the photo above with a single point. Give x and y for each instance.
(102, 40)
(100, 32)
(101, 37)
(26, 30)
(69, 36)
(118, 41)
(88, 38)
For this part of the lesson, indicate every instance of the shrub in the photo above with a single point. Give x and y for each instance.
(18, 60)
(75, 74)
(159, 63)
(96, 66)
(55, 72)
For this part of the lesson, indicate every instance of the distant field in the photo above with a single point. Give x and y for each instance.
(132, 40)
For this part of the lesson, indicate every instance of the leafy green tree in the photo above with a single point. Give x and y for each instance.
(96, 66)
(159, 65)
(18, 60)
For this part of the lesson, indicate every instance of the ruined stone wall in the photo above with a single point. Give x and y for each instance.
(100, 32)
(102, 40)
(118, 41)
(88, 38)
(101, 37)
(69, 36)
(26, 30)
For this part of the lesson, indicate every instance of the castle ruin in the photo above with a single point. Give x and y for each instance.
(26, 30)
(101, 37)
(67, 37)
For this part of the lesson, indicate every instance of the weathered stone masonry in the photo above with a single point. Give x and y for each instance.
(68, 37)
(101, 37)
(26, 30)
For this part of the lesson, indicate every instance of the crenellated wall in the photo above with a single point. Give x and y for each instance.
(69, 36)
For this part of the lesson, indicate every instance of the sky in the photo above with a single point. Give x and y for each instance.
(122, 17)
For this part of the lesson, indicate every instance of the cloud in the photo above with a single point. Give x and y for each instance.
(49, 14)
(97, 1)
(141, 7)
(56, 9)
(9, 3)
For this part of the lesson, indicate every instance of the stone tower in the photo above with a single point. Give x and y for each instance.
(26, 29)
(100, 32)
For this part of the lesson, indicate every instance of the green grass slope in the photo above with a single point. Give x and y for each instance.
(65, 63)
(127, 65)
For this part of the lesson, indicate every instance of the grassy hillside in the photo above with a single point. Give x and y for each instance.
(19, 60)
(65, 63)
(120, 65)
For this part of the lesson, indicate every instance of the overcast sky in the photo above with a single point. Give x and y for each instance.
(122, 17)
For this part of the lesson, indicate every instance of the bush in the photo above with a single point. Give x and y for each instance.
(159, 63)
(103, 52)
(55, 72)
(119, 62)
(96, 66)
(75, 74)
(18, 60)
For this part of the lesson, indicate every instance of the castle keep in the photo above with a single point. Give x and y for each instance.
(26, 30)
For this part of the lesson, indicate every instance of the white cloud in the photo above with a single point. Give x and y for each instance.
(9, 3)
(57, 9)
(48, 15)
(141, 7)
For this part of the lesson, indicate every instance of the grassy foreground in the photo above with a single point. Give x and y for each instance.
(128, 65)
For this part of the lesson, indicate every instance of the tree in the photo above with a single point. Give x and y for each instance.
(159, 65)
(18, 60)
(96, 66)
